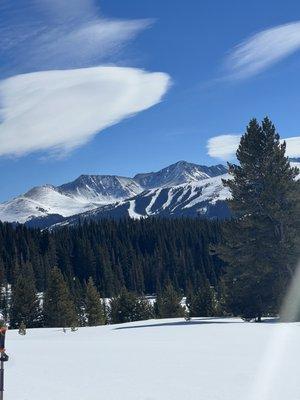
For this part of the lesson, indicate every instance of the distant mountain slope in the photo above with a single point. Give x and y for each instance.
(178, 189)
(101, 188)
(85, 193)
(204, 198)
(181, 189)
(40, 202)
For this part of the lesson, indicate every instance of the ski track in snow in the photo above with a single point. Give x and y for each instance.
(156, 193)
(169, 199)
(131, 210)
(205, 359)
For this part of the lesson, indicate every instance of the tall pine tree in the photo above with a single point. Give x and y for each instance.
(260, 242)
(25, 304)
(59, 308)
(94, 309)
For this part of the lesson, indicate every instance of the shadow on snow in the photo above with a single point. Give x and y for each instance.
(198, 321)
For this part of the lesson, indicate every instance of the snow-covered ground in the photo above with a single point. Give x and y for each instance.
(205, 359)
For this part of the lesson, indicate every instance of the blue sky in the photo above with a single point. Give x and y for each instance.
(215, 75)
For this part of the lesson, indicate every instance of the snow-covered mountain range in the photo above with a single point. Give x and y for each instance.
(180, 189)
(205, 198)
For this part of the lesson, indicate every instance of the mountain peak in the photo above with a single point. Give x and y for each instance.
(178, 173)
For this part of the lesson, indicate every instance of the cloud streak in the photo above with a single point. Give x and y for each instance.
(224, 146)
(262, 50)
(61, 110)
(58, 34)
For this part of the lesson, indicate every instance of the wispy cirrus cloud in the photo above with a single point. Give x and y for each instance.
(263, 49)
(54, 93)
(57, 34)
(224, 146)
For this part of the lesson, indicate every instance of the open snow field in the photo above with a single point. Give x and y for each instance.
(207, 358)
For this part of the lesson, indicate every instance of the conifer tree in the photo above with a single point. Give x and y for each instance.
(2, 273)
(168, 303)
(59, 309)
(202, 301)
(94, 310)
(260, 243)
(78, 294)
(25, 304)
(128, 307)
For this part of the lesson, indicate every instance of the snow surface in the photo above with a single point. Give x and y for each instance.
(205, 359)
(84, 194)
(40, 202)
(131, 211)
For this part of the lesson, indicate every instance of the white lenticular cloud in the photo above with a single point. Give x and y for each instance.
(62, 109)
(224, 146)
(263, 49)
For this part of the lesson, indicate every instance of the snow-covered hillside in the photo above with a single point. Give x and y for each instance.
(48, 204)
(85, 193)
(205, 359)
(40, 202)
(204, 198)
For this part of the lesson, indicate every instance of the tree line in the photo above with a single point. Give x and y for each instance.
(126, 257)
(58, 306)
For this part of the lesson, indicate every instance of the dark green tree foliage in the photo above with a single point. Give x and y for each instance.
(59, 309)
(139, 255)
(5, 300)
(168, 303)
(25, 304)
(94, 309)
(260, 243)
(78, 294)
(128, 307)
(202, 302)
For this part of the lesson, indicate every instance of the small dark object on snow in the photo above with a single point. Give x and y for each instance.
(187, 317)
(22, 329)
(251, 319)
